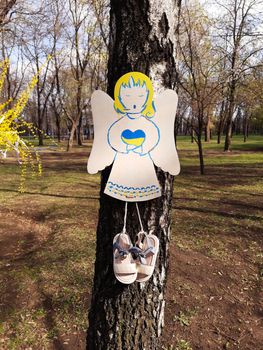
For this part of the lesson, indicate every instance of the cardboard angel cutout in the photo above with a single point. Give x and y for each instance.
(134, 133)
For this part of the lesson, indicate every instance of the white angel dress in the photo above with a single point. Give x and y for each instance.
(133, 145)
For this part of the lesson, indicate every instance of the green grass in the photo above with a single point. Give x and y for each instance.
(253, 142)
(47, 278)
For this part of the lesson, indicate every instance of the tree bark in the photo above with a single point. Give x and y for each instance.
(245, 128)
(229, 117)
(121, 316)
(80, 131)
(40, 118)
(40, 138)
(71, 136)
(58, 125)
(192, 132)
(228, 131)
(201, 154)
(198, 140)
(221, 121)
(208, 129)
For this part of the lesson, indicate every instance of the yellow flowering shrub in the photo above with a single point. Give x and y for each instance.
(11, 128)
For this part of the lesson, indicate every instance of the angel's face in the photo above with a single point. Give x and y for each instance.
(133, 99)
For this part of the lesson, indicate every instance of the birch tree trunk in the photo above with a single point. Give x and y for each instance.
(125, 317)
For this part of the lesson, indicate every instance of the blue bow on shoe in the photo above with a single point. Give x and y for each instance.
(140, 254)
(122, 253)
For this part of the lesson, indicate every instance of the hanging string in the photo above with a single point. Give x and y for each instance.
(125, 218)
(139, 216)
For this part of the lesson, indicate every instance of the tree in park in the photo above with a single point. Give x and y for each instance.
(239, 31)
(86, 52)
(142, 38)
(248, 100)
(198, 71)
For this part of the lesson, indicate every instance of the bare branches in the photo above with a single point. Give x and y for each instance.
(242, 52)
(5, 9)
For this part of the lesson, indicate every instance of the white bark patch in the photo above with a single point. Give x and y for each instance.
(155, 281)
(156, 72)
(151, 221)
(163, 274)
(142, 285)
(161, 296)
(163, 219)
(161, 319)
(149, 299)
(157, 8)
(162, 13)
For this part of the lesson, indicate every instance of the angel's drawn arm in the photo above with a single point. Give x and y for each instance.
(151, 139)
(114, 137)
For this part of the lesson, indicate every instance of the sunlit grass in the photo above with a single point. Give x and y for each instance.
(213, 214)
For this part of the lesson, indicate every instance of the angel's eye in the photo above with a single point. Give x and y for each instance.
(141, 96)
(127, 95)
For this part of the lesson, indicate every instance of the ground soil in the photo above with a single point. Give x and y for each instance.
(214, 297)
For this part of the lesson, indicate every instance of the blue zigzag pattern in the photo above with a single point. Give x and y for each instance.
(152, 187)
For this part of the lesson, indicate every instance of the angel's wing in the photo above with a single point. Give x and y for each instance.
(104, 115)
(164, 155)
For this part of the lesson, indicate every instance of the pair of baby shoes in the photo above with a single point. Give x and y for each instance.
(134, 263)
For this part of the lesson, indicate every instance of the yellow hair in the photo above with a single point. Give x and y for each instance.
(139, 79)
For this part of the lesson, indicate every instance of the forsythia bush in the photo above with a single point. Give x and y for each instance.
(12, 126)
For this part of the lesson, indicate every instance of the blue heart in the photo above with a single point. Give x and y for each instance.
(128, 134)
(135, 138)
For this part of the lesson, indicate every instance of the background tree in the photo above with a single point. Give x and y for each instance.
(84, 66)
(5, 8)
(58, 59)
(248, 101)
(239, 31)
(38, 48)
(78, 38)
(198, 70)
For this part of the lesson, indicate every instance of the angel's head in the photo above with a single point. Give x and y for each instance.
(133, 94)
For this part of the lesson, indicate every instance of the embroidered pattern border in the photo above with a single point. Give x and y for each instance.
(132, 192)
